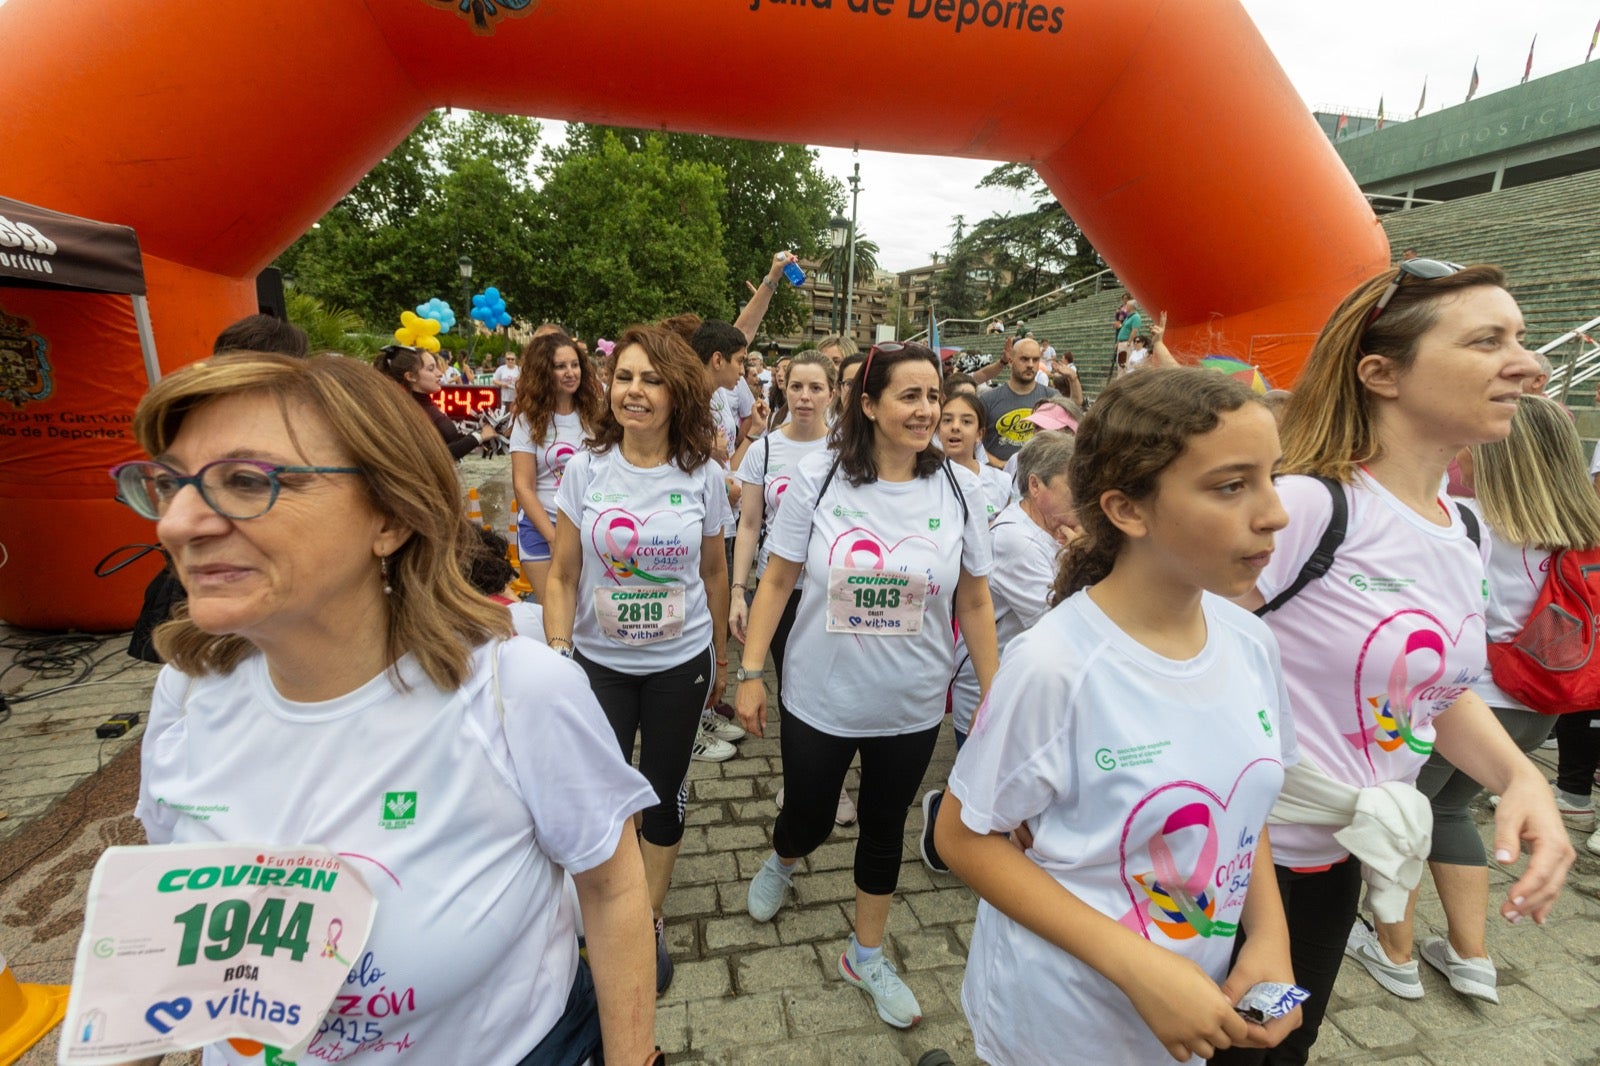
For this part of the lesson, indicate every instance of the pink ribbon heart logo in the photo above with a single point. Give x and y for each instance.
(620, 532)
(1419, 652)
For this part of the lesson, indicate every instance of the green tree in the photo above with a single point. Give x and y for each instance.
(627, 235)
(452, 187)
(771, 196)
(328, 329)
(1020, 255)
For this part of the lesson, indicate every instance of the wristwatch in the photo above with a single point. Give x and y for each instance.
(741, 675)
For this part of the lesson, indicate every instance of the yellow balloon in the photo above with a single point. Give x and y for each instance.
(427, 327)
(409, 320)
(403, 335)
(427, 343)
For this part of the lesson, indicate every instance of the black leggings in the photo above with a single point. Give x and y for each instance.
(663, 709)
(814, 764)
(1577, 751)
(1320, 908)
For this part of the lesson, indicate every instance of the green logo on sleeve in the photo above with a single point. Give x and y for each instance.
(399, 810)
(933, 523)
(1266, 726)
(677, 498)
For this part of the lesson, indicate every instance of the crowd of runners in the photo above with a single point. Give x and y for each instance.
(1175, 811)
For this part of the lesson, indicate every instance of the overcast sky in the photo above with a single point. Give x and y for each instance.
(1344, 54)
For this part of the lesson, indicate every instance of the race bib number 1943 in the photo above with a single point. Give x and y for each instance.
(189, 944)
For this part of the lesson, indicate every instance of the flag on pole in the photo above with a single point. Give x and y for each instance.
(1344, 122)
(1424, 98)
(1592, 42)
(1528, 69)
(1380, 112)
(1472, 86)
(933, 328)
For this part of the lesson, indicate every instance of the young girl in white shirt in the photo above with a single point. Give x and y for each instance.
(1138, 732)
(638, 589)
(558, 404)
(1381, 652)
(961, 435)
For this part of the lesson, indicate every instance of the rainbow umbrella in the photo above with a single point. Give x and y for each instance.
(1238, 370)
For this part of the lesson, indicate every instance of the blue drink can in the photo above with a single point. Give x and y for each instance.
(794, 273)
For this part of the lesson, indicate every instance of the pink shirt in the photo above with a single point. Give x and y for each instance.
(1378, 647)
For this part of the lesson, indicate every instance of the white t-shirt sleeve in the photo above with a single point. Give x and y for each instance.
(569, 497)
(1310, 508)
(1019, 747)
(753, 468)
(1594, 463)
(718, 512)
(745, 400)
(166, 711)
(977, 547)
(574, 780)
(522, 436)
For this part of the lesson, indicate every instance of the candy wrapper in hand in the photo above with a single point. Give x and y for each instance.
(1268, 1000)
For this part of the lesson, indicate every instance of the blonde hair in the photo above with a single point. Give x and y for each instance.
(1533, 486)
(1328, 427)
(409, 477)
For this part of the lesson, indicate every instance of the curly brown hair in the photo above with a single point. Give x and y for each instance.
(690, 431)
(1138, 427)
(536, 387)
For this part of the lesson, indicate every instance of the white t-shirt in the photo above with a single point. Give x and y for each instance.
(562, 439)
(472, 922)
(1516, 577)
(856, 685)
(1594, 462)
(1136, 359)
(528, 620)
(729, 409)
(768, 468)
(506, 377)
(1121, 762)
(1399, 616)
(1024, 571)
(997, 485)
(642, 529)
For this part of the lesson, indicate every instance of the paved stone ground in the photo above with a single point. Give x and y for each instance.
(751, 993)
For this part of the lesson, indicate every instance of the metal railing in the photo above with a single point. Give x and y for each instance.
(1102, 281)
(1580, 366)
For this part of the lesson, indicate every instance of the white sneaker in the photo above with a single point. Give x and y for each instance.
(721, 728)
(1399, 978)
(845, 812)
(708, 748)
(1592, 845)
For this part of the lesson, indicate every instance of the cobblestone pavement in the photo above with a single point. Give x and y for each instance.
(770, 993)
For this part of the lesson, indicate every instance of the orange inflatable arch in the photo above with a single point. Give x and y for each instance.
(221, 132)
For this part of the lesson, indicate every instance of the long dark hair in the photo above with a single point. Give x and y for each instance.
(536, 387)
(854, 433)
(690, 433)
(1138, 427)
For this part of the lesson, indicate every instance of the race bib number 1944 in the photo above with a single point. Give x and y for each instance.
(189, 944)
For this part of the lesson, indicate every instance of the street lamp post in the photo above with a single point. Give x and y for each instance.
(850, 270)
(838, 232)
(464, 264)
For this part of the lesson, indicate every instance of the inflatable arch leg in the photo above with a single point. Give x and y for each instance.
(1165, 127)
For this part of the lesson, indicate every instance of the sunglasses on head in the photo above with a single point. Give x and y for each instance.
(890, 348)
(1427, 269)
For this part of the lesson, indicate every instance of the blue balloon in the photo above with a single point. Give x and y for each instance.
(492, 293)
(505, 319)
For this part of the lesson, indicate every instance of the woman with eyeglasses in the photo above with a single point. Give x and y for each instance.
(417, 372)
(558, 405)
(638, 589)
(894, 545)
(1381, 652)
(331, 653)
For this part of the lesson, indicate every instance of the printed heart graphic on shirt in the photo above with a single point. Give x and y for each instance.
(1178, 893)
(616, 534)
(558, 455)
(862, 549)
(775, 490)
(1409, 643)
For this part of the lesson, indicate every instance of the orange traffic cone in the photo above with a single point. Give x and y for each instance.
(520, 584)
(474, 508)
(27, 1013)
